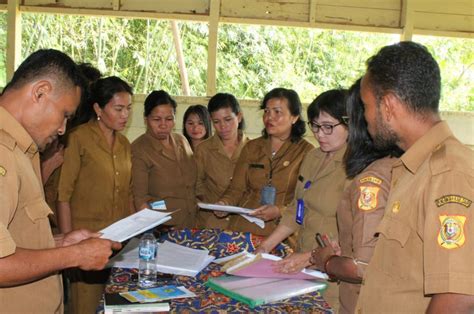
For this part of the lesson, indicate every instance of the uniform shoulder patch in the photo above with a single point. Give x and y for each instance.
(7, 140)
(3, 171)
(368, 197)
(451, 198)
(371, 179)
(451, 233)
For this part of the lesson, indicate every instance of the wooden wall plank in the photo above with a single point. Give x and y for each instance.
(461, 7)
(358, 16)
(444, 22)
(369, 4)
(168, 6)
(271, 10)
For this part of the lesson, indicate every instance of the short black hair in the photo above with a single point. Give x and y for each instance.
(409, 71)
(294, 105)
(203, 114)
(333, 102)
(90, 72)
(225, 100)
(48, 63)
(361, 151)
(157, 98)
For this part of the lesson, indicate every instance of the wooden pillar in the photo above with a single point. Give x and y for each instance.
(312, 11)
(406, 20)
(13, 37)
(180, 57)
(214, 12)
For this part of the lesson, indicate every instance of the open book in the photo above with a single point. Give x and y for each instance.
(261, 266)
(258, 291)
(134, 224)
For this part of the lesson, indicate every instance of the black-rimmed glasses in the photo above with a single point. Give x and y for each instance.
(326, 128)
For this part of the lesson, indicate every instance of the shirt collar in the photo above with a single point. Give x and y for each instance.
(425, 145)
(17, 131)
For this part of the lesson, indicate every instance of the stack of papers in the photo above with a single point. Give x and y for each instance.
(114, 303)
(234, 210)
(261, 266)
(258, 291)
(180, 260)
(132, 225)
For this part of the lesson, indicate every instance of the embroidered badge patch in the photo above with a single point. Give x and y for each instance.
(371, 179)
(396, 207)
(3, 171)
(451, 234)
(457, 199)
(368, 197)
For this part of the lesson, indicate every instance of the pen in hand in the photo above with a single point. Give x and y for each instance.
(320, 241)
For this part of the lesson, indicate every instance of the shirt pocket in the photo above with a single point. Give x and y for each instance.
(37, 209)
(396, 234)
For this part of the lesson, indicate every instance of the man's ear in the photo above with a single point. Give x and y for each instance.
(40, 89)
(390, 106)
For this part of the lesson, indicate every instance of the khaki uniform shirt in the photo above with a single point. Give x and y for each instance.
(358, 215)
(94, 179)
(215, 170)
(24, 218)
(426, 241)
(159, 174)
(252, 172)
(320, 199)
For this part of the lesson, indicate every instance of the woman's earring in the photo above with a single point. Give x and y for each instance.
(98, 118)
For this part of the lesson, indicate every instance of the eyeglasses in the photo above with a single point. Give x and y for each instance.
(326, 128)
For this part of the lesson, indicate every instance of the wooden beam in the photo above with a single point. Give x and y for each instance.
(214, 12)
(406, 19)
(312, 11)
(112, 13)
(13, 37)
(180, 57)
(116, 5)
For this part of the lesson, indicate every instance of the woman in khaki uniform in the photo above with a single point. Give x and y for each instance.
(321, 181)
(361, 208)
(216, 157)
(163, 167)
(95, 181)
(269, 162)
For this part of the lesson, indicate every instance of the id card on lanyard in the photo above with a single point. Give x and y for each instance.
(300, 205)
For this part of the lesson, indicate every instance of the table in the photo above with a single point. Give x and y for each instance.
(220, 244)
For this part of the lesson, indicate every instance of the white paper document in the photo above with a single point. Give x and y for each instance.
(127, 257)
(180, 260)
(234, 210)
(134, 224)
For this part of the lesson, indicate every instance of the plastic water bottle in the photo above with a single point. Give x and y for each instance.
(147, 261)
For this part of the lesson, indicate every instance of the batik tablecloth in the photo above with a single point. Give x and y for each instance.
(220, 244)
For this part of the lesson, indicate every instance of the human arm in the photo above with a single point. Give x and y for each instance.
(267, 212)
(279, 234)
(451, 303)
(26, 265)
(140, 171)
(199, 157)
(64, 216)
(51, 159)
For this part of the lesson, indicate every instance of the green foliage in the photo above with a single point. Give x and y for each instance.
(250, 59)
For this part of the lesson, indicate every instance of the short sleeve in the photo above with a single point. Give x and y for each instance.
(70, 168)
(9, 187)
(448, 233)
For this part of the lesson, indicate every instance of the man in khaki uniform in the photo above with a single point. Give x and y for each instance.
(423, 258)
(34, 107)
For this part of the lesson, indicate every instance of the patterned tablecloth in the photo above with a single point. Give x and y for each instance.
(220, 244)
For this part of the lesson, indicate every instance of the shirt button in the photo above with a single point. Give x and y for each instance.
(115, 156)
(117, 173)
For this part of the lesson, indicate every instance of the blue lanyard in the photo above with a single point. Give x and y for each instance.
(300, 205)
